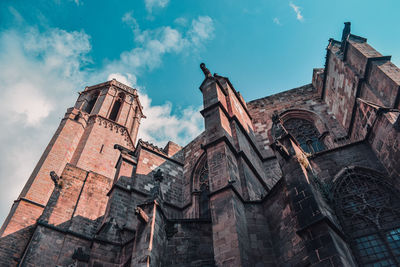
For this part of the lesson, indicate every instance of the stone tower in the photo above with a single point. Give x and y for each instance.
(104, 115)
(306, 177)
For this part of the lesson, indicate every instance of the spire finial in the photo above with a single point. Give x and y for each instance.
(346, 30)
(206, 71)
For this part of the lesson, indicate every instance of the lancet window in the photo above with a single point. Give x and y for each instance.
(90, 104)
(369, 212)
(202, 187)
(204, 206)
(305, 133)
(116, 107)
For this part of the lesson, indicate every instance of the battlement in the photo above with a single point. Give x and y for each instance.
(151, 146)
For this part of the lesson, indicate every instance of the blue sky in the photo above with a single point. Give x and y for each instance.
(50, 50)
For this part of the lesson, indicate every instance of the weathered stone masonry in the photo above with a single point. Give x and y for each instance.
(306, 177)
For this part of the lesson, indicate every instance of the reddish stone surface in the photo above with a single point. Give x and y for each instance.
(242, 193)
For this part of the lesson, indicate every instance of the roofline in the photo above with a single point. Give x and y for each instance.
(123, 87)
(283, 92)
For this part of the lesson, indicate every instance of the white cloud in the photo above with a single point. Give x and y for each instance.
(296, 9)
(152, 45)
(277, 21)
(202, 29)
(129, 79)
(181, 21)
(36, 68)
(40, 72)
(131, 21)
(161, 125)
(39, 75)
(25, 103)
(151, 4)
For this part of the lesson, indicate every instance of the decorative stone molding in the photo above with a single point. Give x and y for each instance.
(124, 87)
(115, 83)
(113, 126)
(56, 179)
(152, 147)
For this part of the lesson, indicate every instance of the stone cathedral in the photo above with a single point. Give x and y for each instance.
(305, 177)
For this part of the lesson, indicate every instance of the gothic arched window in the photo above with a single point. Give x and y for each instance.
(91, 102)
(305, 133)
(116, 107)
(201, 187)
(204, 205)
(368, 210)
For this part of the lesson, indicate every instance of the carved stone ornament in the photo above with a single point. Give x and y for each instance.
(158, 176)
(206, 71)
(113, 126)
(277, 146)
(55, 178)
(277, 131)
(155, 192)
(346, 31)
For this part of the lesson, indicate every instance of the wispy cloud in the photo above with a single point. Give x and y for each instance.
(202, 29)
(161, 125)
(181, 21)
(297, 10)
(151, 4)
(276, 21)
(152, 45)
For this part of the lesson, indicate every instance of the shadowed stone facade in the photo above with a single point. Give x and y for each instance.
(306, 177)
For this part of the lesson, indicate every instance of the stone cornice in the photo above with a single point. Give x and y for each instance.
(115, 83)
(158, 151)
(151, 146)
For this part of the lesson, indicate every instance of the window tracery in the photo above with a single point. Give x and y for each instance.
(368, 210)
(305, 133)
(202, 187)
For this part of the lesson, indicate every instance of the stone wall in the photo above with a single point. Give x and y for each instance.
(303, 102)
(189, 243)
(151, 160)
(192, 152)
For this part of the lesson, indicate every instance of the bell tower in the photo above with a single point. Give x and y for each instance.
(104, 115)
